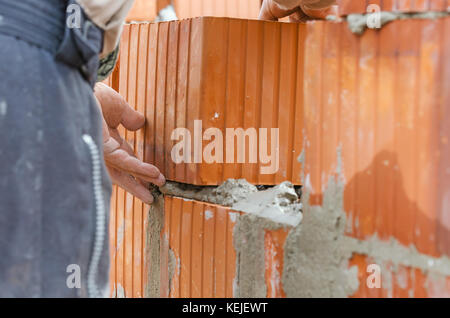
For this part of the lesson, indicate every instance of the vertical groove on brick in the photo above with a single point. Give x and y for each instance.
(214, 70)
(405, 282)
(171, 105)
(234, 93)
(201, 238)
(219, 253)
(129, 204)
(206, 79)
(122, 202)
(161, 87)
(380, 97)
(384, 131)
(426, 217)
(134, 51)
(298, 129)
(348, 80)
(185, 248)
(182, 85)
(152, 69)
(253, 52)
(195, 82)
(364, 188)
(274, 242)
(197, 251)
(231, 254)
(443, 235)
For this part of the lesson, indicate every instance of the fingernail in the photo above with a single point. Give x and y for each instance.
(161, 180)
(149, 199)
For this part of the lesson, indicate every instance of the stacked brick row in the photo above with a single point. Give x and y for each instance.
(370, 110)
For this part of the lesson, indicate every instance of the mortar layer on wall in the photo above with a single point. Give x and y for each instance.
(316, 253)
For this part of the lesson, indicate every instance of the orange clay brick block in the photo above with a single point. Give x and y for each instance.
(200, 236)
(361, 6)
(143, 10)
(198, 259)
(248, 9)
(377, 110)
(228, 73)
(128, 224)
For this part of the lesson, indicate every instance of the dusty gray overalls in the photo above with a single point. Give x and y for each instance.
(54, 189)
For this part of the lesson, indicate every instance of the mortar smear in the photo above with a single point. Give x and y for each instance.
(154, 245)
(316, 263)
(358, 22)
(227, 194)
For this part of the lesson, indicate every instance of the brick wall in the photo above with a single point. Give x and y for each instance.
(369, 110)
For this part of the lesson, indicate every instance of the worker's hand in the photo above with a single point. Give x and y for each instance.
(297, 10)
(125, 169)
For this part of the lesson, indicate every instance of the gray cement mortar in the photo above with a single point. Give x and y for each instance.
(358, 22)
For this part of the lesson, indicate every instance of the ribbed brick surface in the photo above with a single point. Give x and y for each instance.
(225, 72)
(201, 238)
(129, 216)
(128, 233)
(382, 102)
